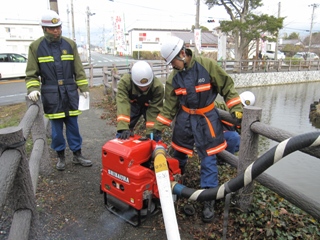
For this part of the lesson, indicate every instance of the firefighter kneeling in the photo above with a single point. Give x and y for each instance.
(139, 93)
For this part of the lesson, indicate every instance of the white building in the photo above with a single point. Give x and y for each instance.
(151, 39)
(16, 35)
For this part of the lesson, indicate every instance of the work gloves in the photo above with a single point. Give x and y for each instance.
(156, 135)
(34, 95)
(237, 116)
(124, 134)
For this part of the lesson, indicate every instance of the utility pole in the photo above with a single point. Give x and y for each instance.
(72, 21)
(68, 11)
(54, 5)
(196, 26)
(277, 42)
(88, 34)
(314, 5)
(103, 39)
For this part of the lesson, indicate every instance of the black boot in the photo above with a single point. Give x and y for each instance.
(220, 161)
(61, 165)
(79, 159)
(208, 211)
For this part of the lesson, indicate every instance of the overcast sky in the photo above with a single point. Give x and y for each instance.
(174, 14)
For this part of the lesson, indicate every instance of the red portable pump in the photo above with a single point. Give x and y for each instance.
(128, 179)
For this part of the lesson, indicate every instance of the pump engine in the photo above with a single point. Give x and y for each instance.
(128, 180)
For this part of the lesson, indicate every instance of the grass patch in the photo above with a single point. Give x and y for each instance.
(11, 115)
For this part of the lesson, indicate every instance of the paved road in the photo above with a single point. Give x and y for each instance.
(98, 59)
(12, 91)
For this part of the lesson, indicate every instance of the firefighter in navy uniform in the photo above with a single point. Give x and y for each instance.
(190, 92)
(55, 72)
(139, 94)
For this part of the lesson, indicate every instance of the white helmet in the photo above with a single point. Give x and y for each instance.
(50, 19)
(247, 98)
(141, 73)
(171, 49)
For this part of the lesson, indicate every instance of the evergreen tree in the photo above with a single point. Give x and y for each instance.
(245, 26)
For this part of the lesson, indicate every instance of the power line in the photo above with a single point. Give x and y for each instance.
(300, 30)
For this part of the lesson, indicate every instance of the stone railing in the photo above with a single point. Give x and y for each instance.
(19, 173)
(244, 72)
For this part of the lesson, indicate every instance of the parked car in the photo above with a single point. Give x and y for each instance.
(312, 56)
(271, 55)
(12, 65)
(306, 56)
(299, 56)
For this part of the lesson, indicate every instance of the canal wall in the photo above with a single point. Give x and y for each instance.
(274, 78)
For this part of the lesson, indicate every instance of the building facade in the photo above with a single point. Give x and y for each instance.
(16, 35)
(139, 39)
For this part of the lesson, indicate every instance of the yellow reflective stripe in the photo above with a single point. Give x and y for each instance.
(82, 82)
(67, 57)
(74, 113)
(46, 59)
(55, 115)
(32, 83)
(62, 114)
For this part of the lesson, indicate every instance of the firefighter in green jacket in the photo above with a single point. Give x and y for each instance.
(190, 92)
(139, 94)
(55, 72)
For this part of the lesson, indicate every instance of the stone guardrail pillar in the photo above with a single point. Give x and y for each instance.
(248, 152)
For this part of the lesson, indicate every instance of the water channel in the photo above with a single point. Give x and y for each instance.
(287, 107)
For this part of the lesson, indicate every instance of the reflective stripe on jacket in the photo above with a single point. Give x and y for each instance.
(227, 126)
(55, 69)
(129, 95)
(195, 88)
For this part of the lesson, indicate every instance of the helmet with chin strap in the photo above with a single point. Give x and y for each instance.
(171, 48)
(141, 74)
(50, 19)
(247, 98)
